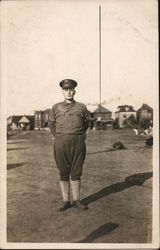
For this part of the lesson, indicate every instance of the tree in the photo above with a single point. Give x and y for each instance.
(145, 123)
(130, 122)
(123, 108)
(116, 124)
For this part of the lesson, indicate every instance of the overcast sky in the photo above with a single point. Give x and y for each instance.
(48, 41)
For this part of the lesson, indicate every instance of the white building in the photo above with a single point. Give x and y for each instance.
(124, 112)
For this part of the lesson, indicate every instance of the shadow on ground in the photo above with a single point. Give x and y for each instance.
(10, 149)
(136, 179)
(15, 142)
(143, 148)
(15, 165)
(104, 151)
(100, 231)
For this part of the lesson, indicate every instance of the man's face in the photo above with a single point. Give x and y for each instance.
(68, 94)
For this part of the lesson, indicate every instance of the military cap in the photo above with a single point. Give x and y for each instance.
(68, 84)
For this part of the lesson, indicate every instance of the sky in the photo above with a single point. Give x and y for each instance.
(47, 41)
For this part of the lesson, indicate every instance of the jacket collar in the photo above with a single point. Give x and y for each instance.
(67, 103)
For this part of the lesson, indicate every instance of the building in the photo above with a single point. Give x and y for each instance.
(46, 117)
(102, 113)
(19, 122)
(145, 112)
(100, 118)
(124, 112)
(41, 119)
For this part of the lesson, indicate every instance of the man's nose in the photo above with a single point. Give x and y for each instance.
(68, 90)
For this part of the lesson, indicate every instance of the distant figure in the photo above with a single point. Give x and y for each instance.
(136, 131)
(150, 131)
(68, 123)
(143, 131)
(149, 141)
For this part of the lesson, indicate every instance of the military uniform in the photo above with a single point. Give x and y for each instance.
(69, 122)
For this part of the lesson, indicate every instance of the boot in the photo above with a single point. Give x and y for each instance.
(65, 188)
(65, 205)
(76, 195)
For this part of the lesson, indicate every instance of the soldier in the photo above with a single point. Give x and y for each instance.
(68, 124)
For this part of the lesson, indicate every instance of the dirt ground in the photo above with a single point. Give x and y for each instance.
(116, 186)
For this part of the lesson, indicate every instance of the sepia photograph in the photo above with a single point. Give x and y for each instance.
(79, 124)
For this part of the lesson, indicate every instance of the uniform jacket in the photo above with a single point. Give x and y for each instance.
(69, 118)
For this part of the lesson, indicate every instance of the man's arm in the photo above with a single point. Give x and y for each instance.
(52, 122)
(86, 118)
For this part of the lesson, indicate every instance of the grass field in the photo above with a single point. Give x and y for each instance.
(116, 185)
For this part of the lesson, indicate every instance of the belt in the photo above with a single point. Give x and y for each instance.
(59, 133)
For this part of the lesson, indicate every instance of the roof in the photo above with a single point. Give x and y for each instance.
(30, 117)
(145, 107)
(24, 119)
(125, 108)
(47, 110)
(17, 118)
(101, 109)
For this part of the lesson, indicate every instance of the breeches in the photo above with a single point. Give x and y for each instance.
(69, 153)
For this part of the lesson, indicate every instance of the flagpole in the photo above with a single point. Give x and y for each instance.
(100, 57)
